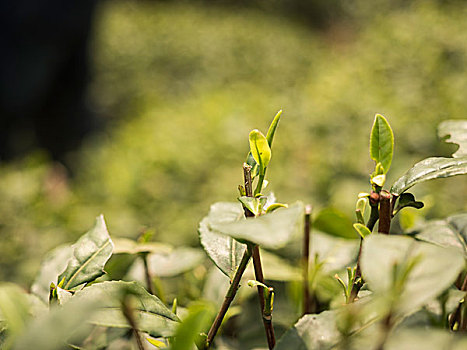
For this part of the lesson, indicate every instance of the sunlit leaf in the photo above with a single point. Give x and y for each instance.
(436, 268)
(438, 167)
(90, 253)
(382, 142)
(362, 230)
(272, 230)
(430, 169)
(151, 315)
(196, 322)
(275, 268)
(273, 127)
(14, 310)
(52, 265)
(451, 232)
(456, 130)
(128, 246)
(260, 149)
(223, 250)
(418, 339)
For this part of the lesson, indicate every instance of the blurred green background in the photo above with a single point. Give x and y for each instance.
(179, 85)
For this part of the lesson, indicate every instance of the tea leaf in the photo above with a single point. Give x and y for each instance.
(435, 269)
(224, 251)
(451, 232)
(176, 262)
(272, 230)
(90, 253)
(260, 149)
(382, 142)
(334, 223)
(53, 264)
(429, 169)
(273, 127)
(438, 167)
(188, 332)
(128, 246)
(151, 315)
(457, 132)
(362, 230)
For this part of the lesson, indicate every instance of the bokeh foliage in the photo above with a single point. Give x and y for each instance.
(180, 86)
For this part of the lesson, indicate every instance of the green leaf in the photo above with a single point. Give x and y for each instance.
(178, 261)
(252, 204)
(432, 339)
(53, 329)
(334, 223)
(438, 167)
(457, 132)
(362, 230)
(63, 295)
(188, 332)
(128, 246)
(275, 268)
(435, 269)
(429, 169)
(408, 200)
(52, 265)
(224, 251)
(269, 137)
(312, 332)
(335, 253)
(14, 311)
(451, 232)
(272, 230)
(151, 315)
(260, 149)
(90, 253)
(382, 142)
(157, 343)
(272, 128)
(275, 206)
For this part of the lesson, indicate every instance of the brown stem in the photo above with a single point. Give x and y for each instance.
(306, 261)
(147, 273)
(128, 313)
(374, 215)
(267, 317)
(458, 316)
(247, 180)
(384, 212)
(230, 295)
(267, 320)
(257, 262)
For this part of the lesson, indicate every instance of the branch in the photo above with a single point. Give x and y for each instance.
(374, 215)
(384, 212)
(230, 295)
(306, 261)
(257, 262)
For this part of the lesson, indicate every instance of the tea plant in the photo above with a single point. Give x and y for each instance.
(397, 283)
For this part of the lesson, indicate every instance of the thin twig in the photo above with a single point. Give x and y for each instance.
(458, 316)
(257, 262)
(306, 261)
(230, 295)
(147, 273)
(128, 313)
(374, 216)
